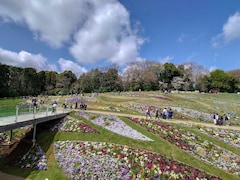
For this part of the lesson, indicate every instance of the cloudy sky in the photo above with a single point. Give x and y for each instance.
(79, 35)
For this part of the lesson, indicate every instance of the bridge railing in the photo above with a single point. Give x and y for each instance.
(19, 113)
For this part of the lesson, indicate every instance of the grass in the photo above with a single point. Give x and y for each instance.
(8, 106)
(200, 102)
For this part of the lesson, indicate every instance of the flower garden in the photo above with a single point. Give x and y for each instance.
(231, 137)
(102, 146)
(193, 144)
(101, 160)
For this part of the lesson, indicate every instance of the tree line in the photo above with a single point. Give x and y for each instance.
(140, 75)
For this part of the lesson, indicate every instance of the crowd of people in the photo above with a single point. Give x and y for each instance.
(219, 120)
(168, 114)
(164, 114)
(36, 103)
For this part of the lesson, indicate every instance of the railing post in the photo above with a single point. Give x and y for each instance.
(47, 111)
(16, 114)
(34, 111)
(34, 134)
(11, 135)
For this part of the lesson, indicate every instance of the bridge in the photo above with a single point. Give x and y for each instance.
(34, 117)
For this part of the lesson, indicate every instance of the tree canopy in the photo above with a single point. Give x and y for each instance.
(139, 75)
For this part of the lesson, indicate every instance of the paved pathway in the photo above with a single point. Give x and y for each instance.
(28, 116)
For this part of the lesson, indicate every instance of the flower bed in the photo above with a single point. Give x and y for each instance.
(69, 124)
(231, 137)
(100, 160)
(141, 108)
(193, 144)
(35, 158)
(116, 125)
(201, 116)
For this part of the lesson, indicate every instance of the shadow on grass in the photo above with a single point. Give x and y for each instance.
(8, 162)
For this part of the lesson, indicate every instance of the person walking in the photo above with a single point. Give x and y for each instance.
(54, 107)
(157, 115)
(148, 112)
(170, 114)
(164, 113)
(227, 119)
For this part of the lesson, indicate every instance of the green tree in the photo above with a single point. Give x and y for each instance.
(16, 81)
(42, 82)
(4, 80)
(222, 81)
(64, 82)
(51, 81)
(111, 81)
(84, 84)
(170, 71)
(31, 85)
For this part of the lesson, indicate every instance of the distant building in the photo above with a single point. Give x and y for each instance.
(214, 91)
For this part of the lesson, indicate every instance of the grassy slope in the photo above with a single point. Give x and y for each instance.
(198, 102)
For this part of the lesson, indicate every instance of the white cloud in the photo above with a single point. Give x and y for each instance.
(50, 21)
(107, 35)
(25, 59)
(230, 31)
(217, 41)
(191, 57)
(212, 68)
(95, 30)
(165, 59)
(69, 65)
(181, 38)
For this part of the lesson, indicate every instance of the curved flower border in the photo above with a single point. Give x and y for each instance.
(116, 125)
(69, 124)
(35, 158)
(194, 145)
(101, 160)
(231, 137)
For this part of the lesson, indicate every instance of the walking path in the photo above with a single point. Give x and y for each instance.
(178, 121)
(13, 122)
(5, 176)
(28, 116)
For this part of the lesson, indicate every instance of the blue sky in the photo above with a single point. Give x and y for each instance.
(79, 35)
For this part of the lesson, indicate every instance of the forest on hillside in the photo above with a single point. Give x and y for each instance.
(141, 75)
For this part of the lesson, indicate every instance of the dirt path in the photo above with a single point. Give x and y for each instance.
(178, 121)
(5, 176)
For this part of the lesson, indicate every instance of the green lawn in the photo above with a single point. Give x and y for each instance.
(201, 102)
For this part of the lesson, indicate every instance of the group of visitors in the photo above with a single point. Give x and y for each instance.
(219, 120)
(37, 103)
(164, 114)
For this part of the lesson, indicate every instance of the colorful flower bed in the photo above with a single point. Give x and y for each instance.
(229, 136)
(69, 124)
(101, 160)
(35, 158)
(141, 108)
(201, 116)
(116, 125)
(193, 144)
